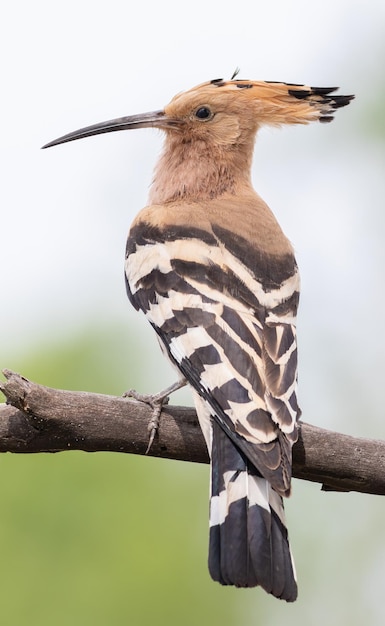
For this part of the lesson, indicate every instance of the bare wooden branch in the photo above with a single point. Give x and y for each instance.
(41, 419)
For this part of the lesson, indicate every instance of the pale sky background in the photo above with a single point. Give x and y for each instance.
(65, 212)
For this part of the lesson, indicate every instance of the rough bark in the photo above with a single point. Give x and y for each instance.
(41, 419)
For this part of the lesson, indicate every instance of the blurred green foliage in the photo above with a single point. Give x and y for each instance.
(102, 538)
(113, 539)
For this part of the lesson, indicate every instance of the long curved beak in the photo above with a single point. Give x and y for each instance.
(155, 119)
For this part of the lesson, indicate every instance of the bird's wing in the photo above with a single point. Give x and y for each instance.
(230, 333)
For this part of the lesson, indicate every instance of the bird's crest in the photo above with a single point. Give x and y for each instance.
(272, 102)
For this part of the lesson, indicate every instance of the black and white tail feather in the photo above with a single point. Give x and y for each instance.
(248, 536)
(248, 544)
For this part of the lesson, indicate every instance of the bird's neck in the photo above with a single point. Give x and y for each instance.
(198, 171)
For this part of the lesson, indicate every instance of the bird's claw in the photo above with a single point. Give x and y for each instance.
(156, 402)
(153, 424)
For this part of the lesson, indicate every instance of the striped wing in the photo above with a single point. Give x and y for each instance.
(227, 322)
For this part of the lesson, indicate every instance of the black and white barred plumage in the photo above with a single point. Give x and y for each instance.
(229, 328)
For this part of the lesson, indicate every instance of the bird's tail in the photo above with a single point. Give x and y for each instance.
(248, 537)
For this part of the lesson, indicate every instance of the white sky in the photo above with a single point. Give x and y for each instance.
(65, 212)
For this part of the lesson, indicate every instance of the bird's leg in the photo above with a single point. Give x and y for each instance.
(156, 402)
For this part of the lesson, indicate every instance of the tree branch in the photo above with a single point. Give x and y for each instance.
(41, 419)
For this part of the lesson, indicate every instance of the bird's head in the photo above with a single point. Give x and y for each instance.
(227, 113)
(221, 117)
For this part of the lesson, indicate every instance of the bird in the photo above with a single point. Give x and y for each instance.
(216, 277)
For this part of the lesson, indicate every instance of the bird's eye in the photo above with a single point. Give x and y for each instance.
(203, 113)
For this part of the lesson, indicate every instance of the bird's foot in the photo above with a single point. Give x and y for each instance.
(156, 402)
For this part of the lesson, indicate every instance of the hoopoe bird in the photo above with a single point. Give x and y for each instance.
(217, 279)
